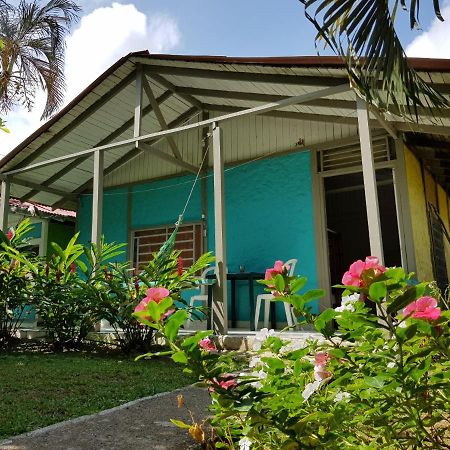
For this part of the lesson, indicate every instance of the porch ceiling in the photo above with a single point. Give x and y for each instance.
(184, 87)
(434, 151)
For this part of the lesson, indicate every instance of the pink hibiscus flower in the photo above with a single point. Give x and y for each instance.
(321, 359)
(207, 344)
(353, 277)
(154, 294)
(278, 268)
(423, 308)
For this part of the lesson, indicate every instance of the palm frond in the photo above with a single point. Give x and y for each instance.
(33, 53)
(362, 32)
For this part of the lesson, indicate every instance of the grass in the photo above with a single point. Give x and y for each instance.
(40, 389)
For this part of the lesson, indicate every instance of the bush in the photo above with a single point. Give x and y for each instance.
(377, 381)
(14, 282)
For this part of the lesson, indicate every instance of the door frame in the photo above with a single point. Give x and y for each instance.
(401, 196)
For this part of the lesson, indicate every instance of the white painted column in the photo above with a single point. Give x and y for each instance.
(44, 238)
(370, 182)
(97, 198)
(4, 204)
(219, 306)
(138, 103)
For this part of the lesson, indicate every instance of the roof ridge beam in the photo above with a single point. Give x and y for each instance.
(308, 80)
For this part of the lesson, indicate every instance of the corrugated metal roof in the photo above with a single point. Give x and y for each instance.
(183, 85)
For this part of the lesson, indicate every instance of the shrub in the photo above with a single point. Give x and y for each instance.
(373, 381)
(14, 281)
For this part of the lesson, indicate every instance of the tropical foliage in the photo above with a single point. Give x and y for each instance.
(79, 285)
(32, 55)
(363, 34)
(367, 381)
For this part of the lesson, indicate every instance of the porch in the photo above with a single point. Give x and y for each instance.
(262, 137)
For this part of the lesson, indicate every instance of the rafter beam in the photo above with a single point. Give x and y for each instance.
(160, 117)
(111, 137)
(384, 123)
(38, 187)
(174, 89)
(135, 152)
(76, 121)
(166, 157)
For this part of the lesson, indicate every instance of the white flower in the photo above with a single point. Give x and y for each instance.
(245, 443)
(347, 303)
(260, 337)
(255, 361)
(391, 365)
(258, 374)
(341, 396)
(310, 388)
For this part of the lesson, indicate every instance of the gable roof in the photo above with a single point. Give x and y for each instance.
(184, 85)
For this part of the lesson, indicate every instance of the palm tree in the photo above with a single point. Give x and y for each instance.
(32, 56)
(362, 32)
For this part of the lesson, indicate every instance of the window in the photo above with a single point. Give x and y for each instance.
(189, 241)
(438, 233)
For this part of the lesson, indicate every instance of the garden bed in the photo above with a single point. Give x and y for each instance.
(39, 389)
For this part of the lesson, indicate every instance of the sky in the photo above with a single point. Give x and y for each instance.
(108, 30)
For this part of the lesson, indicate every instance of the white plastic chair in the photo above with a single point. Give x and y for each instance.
(202, 296)
(268, 297)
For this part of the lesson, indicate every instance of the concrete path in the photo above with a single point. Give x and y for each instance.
(141, 424)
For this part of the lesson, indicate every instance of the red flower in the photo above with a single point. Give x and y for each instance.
(180, 266)
(73, 268)
(10, 234)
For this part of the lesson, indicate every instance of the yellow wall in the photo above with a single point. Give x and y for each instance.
(419, 194)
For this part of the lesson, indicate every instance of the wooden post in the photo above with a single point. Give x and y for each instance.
(97, 198)
(138, 103)
(204, 183)
(4, 204)
(220, 310)
(370, 181)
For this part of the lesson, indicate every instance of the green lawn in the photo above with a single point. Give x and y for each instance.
(40, 389)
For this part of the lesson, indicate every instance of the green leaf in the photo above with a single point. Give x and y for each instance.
(274, 364)
(279, 283)
(180, 357)
(297, 284)
(377, 382)
(174, 323)
(313, 294)
(323, 321)
(378, 291)
(402, 300)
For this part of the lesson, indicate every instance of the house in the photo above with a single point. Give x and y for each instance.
(291, 163)
(49, 225)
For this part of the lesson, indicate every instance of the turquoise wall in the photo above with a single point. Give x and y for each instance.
(160, 202)
(269, 215)
(115, 217)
